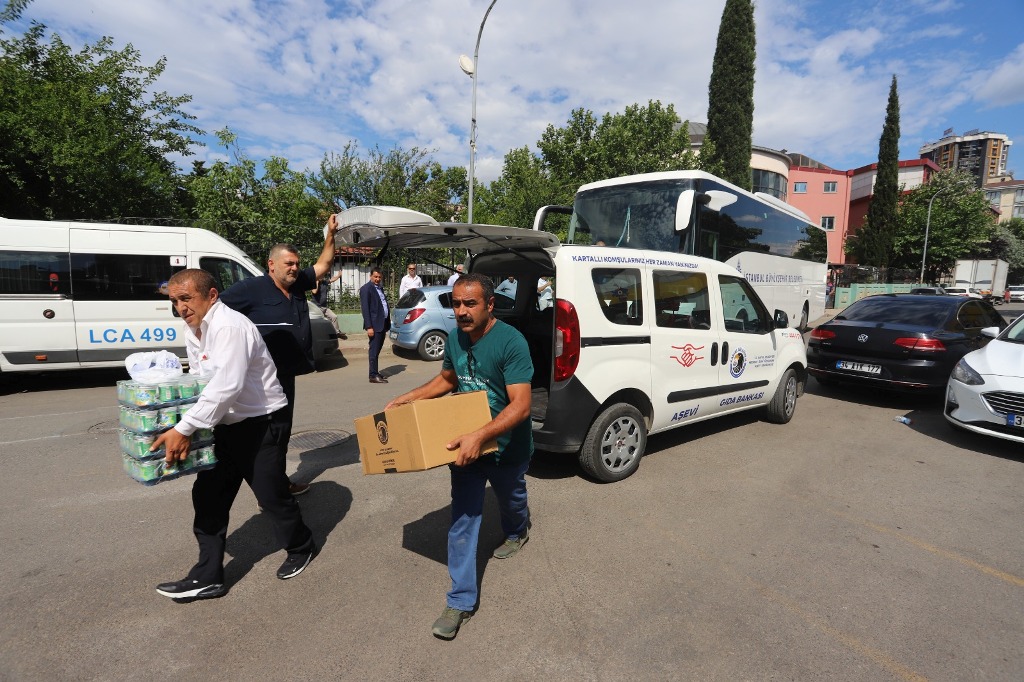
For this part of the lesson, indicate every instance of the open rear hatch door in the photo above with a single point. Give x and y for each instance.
(400, 228)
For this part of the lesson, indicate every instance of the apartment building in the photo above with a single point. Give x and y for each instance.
(983, 154)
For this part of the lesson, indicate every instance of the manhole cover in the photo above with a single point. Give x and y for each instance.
(314, 440)
(105, 427)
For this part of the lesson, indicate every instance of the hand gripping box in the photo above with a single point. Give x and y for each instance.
(412, 437)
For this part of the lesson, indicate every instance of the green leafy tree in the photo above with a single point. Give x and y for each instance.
(398, 177)
(1015, 228)
(523, 187)
(731, 94)
(961, 224)
(84, 134)
(874, 243)
(257, 211)
(642, 139)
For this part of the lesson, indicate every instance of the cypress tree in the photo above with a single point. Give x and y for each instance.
(731, 92)
(876, 240)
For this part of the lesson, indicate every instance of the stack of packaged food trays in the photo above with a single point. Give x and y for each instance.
(149, 409)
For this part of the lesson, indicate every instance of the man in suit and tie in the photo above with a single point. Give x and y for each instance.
(376, 320)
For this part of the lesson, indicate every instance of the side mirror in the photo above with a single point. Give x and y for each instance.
(684, 209)
(781, 319)
(990, 332)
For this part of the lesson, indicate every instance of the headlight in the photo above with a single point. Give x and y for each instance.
(965, 374)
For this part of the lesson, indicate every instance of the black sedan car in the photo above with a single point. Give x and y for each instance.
(899, 341)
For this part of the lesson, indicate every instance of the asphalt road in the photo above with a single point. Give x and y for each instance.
(842, 546)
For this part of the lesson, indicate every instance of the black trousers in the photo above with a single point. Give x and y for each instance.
(376, 344)
(249, 451)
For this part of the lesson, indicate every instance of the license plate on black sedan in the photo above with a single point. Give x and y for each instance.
(1015, 420)
(851, 366)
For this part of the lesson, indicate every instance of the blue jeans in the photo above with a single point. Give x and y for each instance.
(468, 485)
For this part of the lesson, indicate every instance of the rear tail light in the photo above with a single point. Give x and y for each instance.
(920, 344)
(822, 334)
(413, 314)
(567, 340)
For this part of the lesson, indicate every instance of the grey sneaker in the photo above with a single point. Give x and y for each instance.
(510, 546)
(447, 626)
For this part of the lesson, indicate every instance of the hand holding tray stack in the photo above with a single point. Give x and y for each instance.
(147, 409)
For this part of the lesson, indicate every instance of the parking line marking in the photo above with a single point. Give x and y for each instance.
(881, 658)
(921, 544)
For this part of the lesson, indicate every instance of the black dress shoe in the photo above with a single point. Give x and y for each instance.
(378, 380)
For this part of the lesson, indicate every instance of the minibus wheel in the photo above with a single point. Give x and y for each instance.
(614, 444)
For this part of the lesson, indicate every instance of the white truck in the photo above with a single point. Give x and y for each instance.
(988, 276)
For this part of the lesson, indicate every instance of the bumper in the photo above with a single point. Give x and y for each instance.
(911, 375)
(967, 408)
(410, 340)
(570, 411)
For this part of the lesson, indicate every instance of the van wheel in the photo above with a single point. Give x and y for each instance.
(780, 410)
(432, 346)
(615, 443)
(804, 314)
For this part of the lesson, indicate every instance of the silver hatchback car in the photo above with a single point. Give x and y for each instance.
(422, 321)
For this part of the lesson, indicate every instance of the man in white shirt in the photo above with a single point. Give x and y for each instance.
(245, 405)
(410, 281)
(455, 275)
(544, 293)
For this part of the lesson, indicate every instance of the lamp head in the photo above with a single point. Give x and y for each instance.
(467, 66)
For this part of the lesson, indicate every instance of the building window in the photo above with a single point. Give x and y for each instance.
(1018, 196)
(993, 198)
(830, 187)
(828, 222)
(799, 188)
(769, 183)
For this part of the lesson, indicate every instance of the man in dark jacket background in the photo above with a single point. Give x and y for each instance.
(376, 320)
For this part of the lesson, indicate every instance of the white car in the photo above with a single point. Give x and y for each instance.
(1016, 292)
(961, 291)
(985, 393)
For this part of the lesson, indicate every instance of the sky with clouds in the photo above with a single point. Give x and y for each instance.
(298, 78)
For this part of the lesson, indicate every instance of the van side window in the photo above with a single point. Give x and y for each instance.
(224, 270)
(34, 272)
(741, 308)
(681, 300)
(119, 276)
(619, 293)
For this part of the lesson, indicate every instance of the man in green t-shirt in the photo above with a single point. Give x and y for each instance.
(485, 354)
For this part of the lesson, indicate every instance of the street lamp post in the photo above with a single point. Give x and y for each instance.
(927, 225)
(470, 69)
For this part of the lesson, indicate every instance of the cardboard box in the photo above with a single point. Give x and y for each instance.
(412, 437)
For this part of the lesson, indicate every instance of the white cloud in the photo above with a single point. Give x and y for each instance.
(1005, 82)
(297, 78)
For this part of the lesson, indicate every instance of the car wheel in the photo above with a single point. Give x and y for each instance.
(780, 410)
(432, 345)
(614, 444)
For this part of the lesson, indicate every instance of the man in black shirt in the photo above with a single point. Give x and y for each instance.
(276, 304)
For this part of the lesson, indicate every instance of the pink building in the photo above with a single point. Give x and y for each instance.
(824, 195)
(838, 200)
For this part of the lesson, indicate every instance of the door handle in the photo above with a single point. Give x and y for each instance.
(725, 352)
(714, 353)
